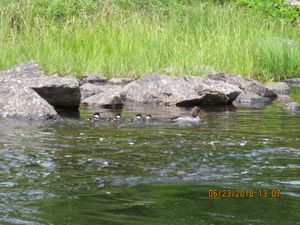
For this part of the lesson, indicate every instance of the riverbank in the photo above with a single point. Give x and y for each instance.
(130, 40)
(27, 93)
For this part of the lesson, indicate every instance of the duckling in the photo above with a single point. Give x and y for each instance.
(189, 119)
(116, 118)
(148, 118)
(138, 118)
(94, 118)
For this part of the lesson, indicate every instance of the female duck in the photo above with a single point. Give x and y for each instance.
(194, 118)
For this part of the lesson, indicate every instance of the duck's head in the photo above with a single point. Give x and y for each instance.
(195, 111)
(118, 116)
(96, 115)
(138, 116)
(148, 117)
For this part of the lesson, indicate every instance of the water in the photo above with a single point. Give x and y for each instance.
(72, 172)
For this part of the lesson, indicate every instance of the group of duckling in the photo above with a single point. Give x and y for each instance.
(194, 117)
(138, 118)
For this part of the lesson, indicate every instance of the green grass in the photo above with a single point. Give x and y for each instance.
(130, 38)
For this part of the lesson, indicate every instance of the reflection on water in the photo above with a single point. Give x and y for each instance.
(73, 172)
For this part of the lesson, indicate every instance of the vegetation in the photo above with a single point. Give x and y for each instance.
(132, 37)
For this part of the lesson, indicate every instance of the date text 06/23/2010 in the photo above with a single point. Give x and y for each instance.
(243, 193)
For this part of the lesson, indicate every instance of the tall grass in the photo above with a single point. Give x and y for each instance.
(130, 38)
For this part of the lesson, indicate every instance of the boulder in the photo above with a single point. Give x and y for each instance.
(279, 88)
(93, 78)
(294, 82)
(251, 99)
(179, 91)
(120, 81)
(61, 92)
(89, 89)
(22, 102)
(245, 85)
(253, 92)
(108, 96)
(20, 72)
(288, 104)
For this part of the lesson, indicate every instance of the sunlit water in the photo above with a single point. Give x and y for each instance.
(72, 172)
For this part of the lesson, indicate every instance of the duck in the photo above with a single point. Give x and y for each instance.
(138, 118)
(194, 118)
(116, 118)
(148, 118)
(94, 118)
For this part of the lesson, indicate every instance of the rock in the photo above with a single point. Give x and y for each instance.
(294, 82)
(22, 71)
(93, 78)
(108, 96)
(89, 89)
(244, 84)
(23, 103)
(288, 104)
(179, 91)
(61, 92)
(251, 99)
(292, 107)
(253, 93)
(120, 81)
(284, 99)
(279, 88)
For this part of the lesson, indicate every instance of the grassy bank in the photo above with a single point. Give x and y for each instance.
(129, 38)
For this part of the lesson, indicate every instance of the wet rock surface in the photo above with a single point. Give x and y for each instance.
(179, 91)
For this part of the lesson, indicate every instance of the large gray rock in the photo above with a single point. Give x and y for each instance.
(179, 91)
(62, 92)
(89, 89)
(294, 82)
(253, 92)
(288, 104)
(22, 102)
(108, 96)
(279, 88)
(20, 72)
(250, 86)
(250, 99)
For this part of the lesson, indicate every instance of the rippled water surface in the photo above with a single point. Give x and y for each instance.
(73, 172)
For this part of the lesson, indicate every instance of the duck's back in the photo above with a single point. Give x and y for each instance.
(185, 119)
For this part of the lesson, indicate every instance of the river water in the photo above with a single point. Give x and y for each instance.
(72, 172)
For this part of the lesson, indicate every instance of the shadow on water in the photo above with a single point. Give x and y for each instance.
(73, 172)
